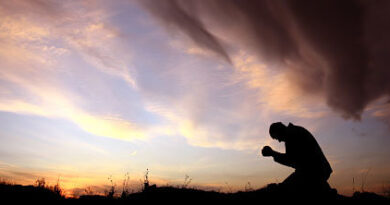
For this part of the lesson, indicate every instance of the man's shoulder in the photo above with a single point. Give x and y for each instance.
(297, 130)
(292, 127)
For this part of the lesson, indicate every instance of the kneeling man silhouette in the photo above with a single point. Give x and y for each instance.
(312, 169)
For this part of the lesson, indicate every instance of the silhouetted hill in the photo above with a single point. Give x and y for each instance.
(15, 193)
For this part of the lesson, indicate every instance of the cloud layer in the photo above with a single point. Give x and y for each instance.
(335, 49)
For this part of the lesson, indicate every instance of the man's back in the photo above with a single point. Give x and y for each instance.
(305, 153)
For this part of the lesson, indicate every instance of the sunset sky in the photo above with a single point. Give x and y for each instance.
(93, 89)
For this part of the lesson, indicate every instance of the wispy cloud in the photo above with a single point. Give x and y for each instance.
(31, 54)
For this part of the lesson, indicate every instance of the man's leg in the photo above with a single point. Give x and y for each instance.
(291, 180)
(293, 183)
(306, 183)
(317, 185)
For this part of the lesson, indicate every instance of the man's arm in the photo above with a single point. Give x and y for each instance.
(278, 157)
(282, 158)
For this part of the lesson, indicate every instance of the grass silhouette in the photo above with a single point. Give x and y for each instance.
(170, 194)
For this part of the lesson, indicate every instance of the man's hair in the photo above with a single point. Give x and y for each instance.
(276, 128)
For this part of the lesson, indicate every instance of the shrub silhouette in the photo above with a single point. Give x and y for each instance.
(111, 191)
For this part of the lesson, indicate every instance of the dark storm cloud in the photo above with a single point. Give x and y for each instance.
(174, 15)
(339, 49)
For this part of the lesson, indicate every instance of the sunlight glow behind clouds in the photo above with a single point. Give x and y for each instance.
(275, 91)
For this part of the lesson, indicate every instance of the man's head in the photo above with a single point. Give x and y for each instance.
(277, 131)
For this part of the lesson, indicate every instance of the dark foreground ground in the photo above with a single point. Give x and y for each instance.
(31, 194)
